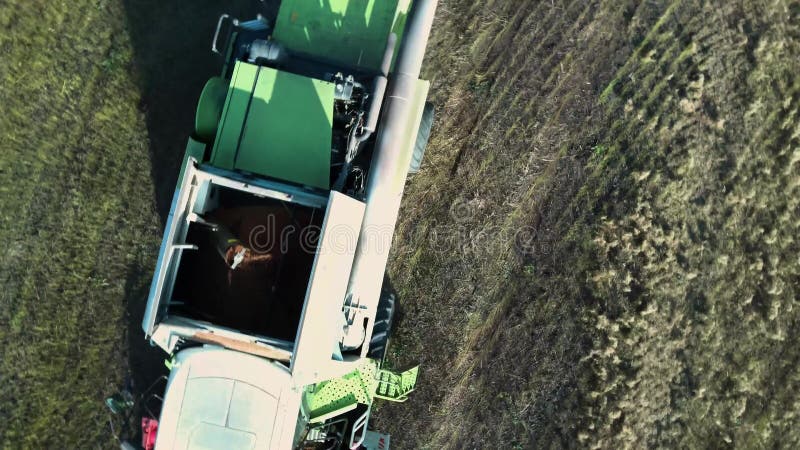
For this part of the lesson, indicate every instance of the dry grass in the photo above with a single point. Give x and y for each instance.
(77, 218)
(85, 169)
(649, 153)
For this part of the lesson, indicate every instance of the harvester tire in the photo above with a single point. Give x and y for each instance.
(423, 136)
(384, 317)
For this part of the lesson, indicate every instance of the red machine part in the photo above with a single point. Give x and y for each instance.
(149, 430)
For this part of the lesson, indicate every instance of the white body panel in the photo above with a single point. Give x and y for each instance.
(320, 325)
(218, 398)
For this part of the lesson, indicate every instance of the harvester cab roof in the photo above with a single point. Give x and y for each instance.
(269, 291)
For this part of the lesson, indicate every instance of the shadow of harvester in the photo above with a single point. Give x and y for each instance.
(173, 60)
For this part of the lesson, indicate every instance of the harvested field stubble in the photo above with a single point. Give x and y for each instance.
(649, 151)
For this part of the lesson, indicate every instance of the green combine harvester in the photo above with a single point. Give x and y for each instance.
(269, 295)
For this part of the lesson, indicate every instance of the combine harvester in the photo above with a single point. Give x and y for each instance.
(269, 292)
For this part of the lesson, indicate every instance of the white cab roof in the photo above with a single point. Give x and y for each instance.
(220, 398)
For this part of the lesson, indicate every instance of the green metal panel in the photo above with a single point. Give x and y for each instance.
(209, 109)
(335, 397)
(233, 115)
(350, 32)
(339, 395)
(289, 129)
(396, 386)
(277, 124)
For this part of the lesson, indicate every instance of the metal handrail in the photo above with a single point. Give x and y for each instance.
(234, 22)
(360, 423)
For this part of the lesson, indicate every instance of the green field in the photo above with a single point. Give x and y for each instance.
(600, 251)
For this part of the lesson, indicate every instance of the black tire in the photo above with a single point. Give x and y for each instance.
(423, 136)
(384, 318)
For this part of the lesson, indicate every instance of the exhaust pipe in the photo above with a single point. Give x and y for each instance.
(390, 163)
